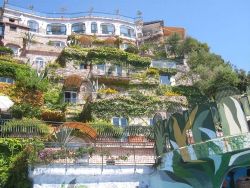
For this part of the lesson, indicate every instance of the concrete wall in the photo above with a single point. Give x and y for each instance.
(91, 176)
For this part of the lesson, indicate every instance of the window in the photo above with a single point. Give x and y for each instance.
(116, 121)
(56, 29)
(120, 121)
(70, 96)
(33, 25)
(123, 122)
(78, 28)
(164, 79)
(1, 30)
(6, 80)
(163, 64)
(108, 29)
(124, 46)
(11, 20)
(14, 48)
(118, 70)
(101, 68)
(94, 27)
(13, 28)
(83, 66)
(39, 63)
(57, 43)
(127, 31)
(151, 122)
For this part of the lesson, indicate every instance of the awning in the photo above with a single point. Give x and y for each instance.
(5, 103)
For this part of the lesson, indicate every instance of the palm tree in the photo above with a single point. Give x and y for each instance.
(63, 136)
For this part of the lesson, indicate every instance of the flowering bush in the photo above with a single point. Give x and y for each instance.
(108, 91)
(171, 93)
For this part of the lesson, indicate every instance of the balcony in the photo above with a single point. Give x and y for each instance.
(68, 16)
(169, 64)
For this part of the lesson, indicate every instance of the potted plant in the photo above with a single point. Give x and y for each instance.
(109, 160)
(81, 155)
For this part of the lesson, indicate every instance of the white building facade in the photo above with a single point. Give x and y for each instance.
(47, 33)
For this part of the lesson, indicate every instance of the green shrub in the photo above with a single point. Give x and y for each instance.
(53, 94)
(31, 80)
(132, 49)
(5, 50)
(105, 128)
(152, 71)
(23, 75)
(193, 94)
(25, 126)
(95, 55)
(10, 69)
(25, 110)
(15, 156)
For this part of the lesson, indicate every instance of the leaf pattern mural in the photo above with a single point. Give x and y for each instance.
(206, 162)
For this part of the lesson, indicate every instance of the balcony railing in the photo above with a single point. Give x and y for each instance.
(98, 154)
(70, 15)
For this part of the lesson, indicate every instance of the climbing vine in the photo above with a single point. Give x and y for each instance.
(100, 54)
(132, 106)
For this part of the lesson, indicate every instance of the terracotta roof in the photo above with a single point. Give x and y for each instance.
(171, 30)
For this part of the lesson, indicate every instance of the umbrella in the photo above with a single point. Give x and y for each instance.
(5, 103)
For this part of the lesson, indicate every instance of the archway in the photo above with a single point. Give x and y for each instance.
(82, 127)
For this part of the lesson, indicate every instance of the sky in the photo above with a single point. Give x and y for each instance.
(223, 24)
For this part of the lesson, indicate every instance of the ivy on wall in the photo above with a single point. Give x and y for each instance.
(11, 69)
(193, 94)
(95, 55)
(23, 75)
(133, 106)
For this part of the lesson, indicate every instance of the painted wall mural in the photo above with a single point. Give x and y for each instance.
(204, 146)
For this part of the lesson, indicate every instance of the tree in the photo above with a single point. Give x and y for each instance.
(172, 44)
(132, 49)
(211, 71)
(244, 80)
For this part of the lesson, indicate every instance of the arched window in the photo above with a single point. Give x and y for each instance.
(33, 25)
(94, 27)
(56, 29)
(78, 28)
(108, 29)
(39, 63)
(127, 31)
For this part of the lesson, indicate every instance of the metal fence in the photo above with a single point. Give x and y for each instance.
(119, 153)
